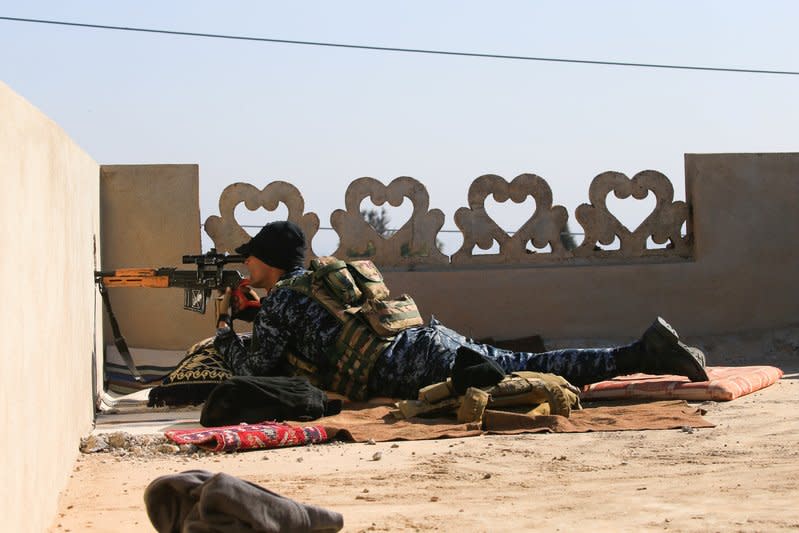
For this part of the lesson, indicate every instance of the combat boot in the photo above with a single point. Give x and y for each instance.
(663, 353)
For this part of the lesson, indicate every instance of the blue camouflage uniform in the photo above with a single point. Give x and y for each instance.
(292, 322)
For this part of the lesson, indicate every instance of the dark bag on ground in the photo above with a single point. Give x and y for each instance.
(254, 399)
(473, 369)
(194, 377)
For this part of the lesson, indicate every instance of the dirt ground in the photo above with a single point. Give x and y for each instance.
(742, 475)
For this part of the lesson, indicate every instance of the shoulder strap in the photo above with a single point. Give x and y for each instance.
(119, 340)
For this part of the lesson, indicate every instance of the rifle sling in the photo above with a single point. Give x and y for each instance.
(119, 340)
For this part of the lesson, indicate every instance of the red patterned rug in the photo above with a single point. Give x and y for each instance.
(249, 436)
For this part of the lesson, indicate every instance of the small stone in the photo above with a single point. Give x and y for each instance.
(434, 498)
(93, 443)
(687, 429)
(119, 439)
(167, 448)
(299, 459)
(486, 476)
(377, 456)
(395, 445)
(365, 491)
(371, 442)
(138, 451)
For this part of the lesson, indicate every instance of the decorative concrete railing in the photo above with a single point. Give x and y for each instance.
(415, 243)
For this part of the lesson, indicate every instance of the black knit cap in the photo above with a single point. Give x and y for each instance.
(279, 244)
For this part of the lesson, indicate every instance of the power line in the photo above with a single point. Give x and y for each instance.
(255, 226)
(404, 50)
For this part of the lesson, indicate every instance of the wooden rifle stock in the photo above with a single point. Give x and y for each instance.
(134, 277)
(197, 286)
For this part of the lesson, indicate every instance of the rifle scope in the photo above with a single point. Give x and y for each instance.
(212, 258)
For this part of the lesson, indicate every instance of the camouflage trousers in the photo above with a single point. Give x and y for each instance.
(425, 355)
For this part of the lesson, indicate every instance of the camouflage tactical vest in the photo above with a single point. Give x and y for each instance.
(357, 296)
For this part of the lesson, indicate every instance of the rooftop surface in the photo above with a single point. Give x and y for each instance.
(739, 475)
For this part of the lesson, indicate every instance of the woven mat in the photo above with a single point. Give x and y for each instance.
(362, 423)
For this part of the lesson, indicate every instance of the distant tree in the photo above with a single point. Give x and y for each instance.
(378, 220)
(567, 239)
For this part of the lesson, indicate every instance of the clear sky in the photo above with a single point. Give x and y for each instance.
(321, 117)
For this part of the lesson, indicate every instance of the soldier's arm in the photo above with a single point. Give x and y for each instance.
(270, 337)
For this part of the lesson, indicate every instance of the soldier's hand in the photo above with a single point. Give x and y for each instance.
(251, 294)
(223, 306)
(244, 302)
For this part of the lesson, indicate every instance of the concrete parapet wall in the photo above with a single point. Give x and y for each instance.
(49, 224)
(732, 269)
(742, 276)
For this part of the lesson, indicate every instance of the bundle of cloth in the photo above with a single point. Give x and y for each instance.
(197, 501)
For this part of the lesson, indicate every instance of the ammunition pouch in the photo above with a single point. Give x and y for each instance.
(357, 296)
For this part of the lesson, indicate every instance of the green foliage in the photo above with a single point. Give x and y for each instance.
(378, 220)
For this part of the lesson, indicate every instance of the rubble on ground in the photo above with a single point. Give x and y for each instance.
(121, 443)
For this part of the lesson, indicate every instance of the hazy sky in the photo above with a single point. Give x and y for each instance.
(321, 117)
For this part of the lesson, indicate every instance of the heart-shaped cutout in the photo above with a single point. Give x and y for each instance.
(510, 215)
(253, 221)
(386, 219)
(631, 212)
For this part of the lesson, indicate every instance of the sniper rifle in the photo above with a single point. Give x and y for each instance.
(197, 285)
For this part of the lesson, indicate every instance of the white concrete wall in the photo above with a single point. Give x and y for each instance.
(49, 223)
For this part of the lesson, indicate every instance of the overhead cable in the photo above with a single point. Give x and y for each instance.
(404, 50)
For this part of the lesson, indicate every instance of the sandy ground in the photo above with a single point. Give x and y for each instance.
(742, 475)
